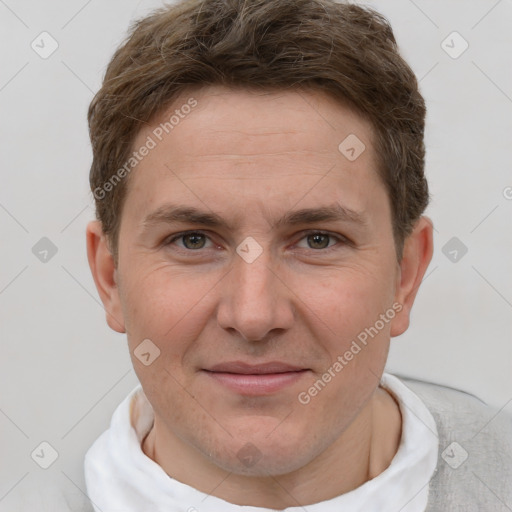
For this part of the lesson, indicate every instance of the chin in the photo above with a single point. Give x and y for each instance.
(265, 465)
(264, 455)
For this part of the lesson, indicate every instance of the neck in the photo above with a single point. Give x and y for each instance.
(363, 451)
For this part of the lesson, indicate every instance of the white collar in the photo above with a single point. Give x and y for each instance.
(120, 477)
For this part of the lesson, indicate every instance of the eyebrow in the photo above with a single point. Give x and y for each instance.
(170, 214)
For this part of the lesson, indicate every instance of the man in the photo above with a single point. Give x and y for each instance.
(259, 182)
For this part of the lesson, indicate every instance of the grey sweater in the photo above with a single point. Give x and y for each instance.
(469, 428)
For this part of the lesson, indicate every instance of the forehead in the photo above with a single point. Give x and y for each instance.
(302, 120)
(273, 144)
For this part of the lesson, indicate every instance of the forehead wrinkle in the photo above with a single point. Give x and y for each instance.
(234, 156)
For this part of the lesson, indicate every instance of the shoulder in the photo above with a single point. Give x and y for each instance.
(474, 466)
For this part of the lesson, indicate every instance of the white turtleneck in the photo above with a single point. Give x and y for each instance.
(121, 478)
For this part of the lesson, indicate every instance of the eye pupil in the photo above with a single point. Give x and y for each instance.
(196, 241)
(318, 241)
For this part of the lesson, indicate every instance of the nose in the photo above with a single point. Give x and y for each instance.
(256, 302)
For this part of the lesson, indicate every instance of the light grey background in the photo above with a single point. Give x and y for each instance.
(63, 371)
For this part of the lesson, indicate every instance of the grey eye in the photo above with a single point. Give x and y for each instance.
(194, 240)
(318, 241)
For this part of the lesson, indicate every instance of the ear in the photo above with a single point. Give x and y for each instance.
(104, 274)
(417, 253)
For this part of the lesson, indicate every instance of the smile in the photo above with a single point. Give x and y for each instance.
(254, 380)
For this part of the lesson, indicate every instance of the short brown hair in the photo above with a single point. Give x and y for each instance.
(346, 51)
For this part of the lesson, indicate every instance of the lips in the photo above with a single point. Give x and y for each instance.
(255, 379)
(254, 369)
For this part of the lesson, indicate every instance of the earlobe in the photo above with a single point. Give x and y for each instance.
(104, 273)
(417, 254)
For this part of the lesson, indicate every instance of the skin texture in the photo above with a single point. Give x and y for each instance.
(251, 157)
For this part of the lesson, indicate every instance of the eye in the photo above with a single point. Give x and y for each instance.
(191, 240)
(316, 240)
(319, 240)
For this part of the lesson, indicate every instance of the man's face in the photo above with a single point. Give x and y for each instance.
(262, 287)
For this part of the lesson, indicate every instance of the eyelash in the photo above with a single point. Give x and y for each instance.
(339, 238)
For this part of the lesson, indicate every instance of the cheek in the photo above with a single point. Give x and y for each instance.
(344, 301)
(352, 374)
(170, 396)
(162, 295)
(167, 308)
(343, 311)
